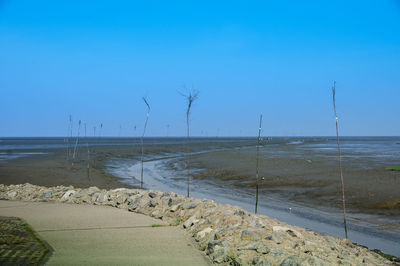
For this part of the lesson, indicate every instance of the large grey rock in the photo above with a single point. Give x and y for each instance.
(211, 246)
(251, 246)
(200, 235)
(276, 252)
(121, 199)
(46, 195)
(190, 222)
(252, 235)
(190, 205)
(219, 233)
(152, 195)
(290, 231)
(314, 261)
(292, 261)
(134, 204)
(11, 194)
(257, 222)
(260, 261)
(175, 208)
(157, 214)
(221, 254)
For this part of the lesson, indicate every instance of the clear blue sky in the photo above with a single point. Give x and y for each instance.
(96, 59)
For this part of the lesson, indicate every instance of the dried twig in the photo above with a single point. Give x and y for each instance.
(257, 163)
(76, 143)
(190, 97)
(340, 157)
(88, 157)
(69, 135)
(144, 131)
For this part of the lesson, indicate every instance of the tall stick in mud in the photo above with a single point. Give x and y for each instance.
(340, 157)
(88, 157)
(191, 97)
(257, 163)
(76, 144)
(141, 139)
(69, 134)
(69, 139)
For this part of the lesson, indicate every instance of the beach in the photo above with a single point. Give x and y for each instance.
(301, 180)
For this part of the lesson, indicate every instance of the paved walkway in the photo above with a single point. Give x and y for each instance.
(101, 235)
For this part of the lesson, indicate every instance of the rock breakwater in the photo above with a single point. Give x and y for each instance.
(227, 234)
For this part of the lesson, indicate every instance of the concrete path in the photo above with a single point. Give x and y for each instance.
(101, 235)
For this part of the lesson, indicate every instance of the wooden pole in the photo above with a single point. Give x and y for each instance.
(144, 130)
(340, 158)
(88, 157)
(191, 97)
(75, 155)
(257, 162)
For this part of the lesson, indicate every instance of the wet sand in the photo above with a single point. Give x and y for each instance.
(290, 172)
(305, 180)
(52, 167)
(224, 170)
(301, 176)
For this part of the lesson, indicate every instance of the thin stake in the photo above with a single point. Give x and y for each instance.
(257, 162)
(191, 97)
(88, 157)
(141, 139)
(70, 137)
(340, 158)
(67, 139)
(76, 143)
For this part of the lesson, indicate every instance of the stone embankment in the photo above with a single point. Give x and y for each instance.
(227, 234)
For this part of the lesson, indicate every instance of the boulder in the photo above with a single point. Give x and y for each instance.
(292, 261)
(290, 231)
(191, 221)
(46, 195)
(67, 194)
(190, 205)
(252, 235)
(200, 235)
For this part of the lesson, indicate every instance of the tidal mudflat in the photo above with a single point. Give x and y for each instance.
(301, 180)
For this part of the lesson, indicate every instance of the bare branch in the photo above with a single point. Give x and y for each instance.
(191, 96)
(340, 159)
(144, 131)
(147, 103)
(334, 97)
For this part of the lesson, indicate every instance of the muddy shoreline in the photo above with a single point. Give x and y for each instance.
(293, 175)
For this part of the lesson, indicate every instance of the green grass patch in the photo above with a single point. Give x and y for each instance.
(157, 225)
(176, 222)
(393, 168)
(386, 256)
